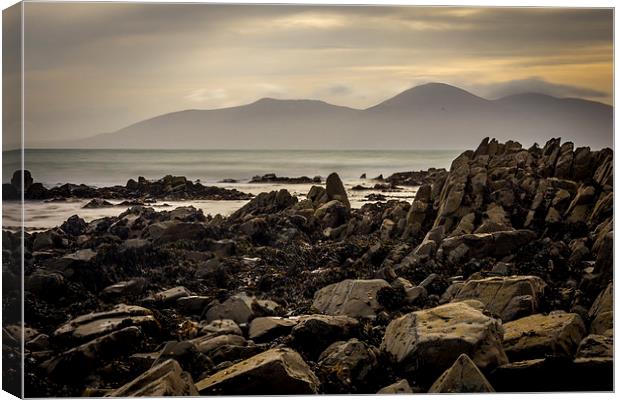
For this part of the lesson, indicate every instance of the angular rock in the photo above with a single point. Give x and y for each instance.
(354, 298)
(165, 379)
(345, 366)
(462, 377)
(264, 329)
(400, 387)
(536, 336)
(332, 214)
(481, 245)
(601, 313)
(509, 298)
(221, 327)
(335, 190)
(429, 341)
(273, 372)
(313, 333)
(596, 346)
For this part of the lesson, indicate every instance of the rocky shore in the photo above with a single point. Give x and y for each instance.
(498, 277)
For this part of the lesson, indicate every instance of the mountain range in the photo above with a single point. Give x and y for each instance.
(430, 116)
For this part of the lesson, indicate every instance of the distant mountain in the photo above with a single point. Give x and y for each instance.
(431, 116)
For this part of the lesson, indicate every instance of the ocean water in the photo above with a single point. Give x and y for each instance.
(112, 167)
(115, 167)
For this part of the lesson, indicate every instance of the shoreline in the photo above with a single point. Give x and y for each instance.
(500, 268)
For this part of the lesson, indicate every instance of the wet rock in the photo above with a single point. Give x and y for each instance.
(480, 245)
(265, 203)
(509, 298)
(90, 326)
(346, 366)
(74, 226)
(165, 379)
(539, 335)
(272, 178)
(125, 288)
(98, 203)
(354, 298)
(208, 344)
(167, 296)
(264, 329)
(221, 327)
(332, 214)
(462, 377)
(335, 190)
(176, 231)
(400, 387)
(429, 341)
(276, 371)
(193, 304)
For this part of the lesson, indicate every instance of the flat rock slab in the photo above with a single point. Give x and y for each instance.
(462, 377)
(273, 372)
(165, 379)
(90, 326)
(354, 298)
(480, 245)
(507, 297)
(537, 336)
(264, 329)
(429, 341)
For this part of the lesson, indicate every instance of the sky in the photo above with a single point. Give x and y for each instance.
(98, 67)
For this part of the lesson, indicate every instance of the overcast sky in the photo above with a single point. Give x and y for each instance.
(93, 68)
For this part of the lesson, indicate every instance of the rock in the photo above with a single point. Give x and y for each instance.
(234, 308)
(481, 245)
(400, 387)
(265, 203)
(182, 231)
(221, 327)
(90, 326)
(47, 240)
(345, 366)
(165, 379)
(354, 298)
(509, 298)
(429, 341)
(209, 344)
(194, 305)
(335, 190)
(462, 377)
(601, 313)
(167, 296)
(273, 372)
(264, 329)
(538, 335)
(98, 203)
(313, 333)
(332, 214)
(80, 360)
(125, 288)
(596, 346)
(74, 226)
(16, 180)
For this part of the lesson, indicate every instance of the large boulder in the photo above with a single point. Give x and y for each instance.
(335, 189)
(273, 372)
(400, 387)
(354, 298)
(601, 313)
(313, 333)
(536, 336)
(165, 379)
(332, 214)
(429, 341)
(480, 245)
(264, 329)
(507, 297)
(462, 377)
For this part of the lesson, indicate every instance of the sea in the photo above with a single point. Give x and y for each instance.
(110, 167)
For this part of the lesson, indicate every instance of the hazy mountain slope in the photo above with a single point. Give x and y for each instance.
(428, 116)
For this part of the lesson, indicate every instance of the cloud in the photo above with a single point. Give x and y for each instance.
(536, 85)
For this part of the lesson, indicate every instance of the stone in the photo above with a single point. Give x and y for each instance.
(354, 298)
(313, 333)
(234, 308)
(182, 231)
(335, 190)
(221, 327)
(332, 214)
(208, 344)
(279, 371)
(74, 225)
(462, 377)
(265, 329)
(124, 288)
(538, 335)
(429, 341)
(98, 203)
(194, 305)
(601, 314)
(90, 326)
(481, 245)
(168, 296)
(596, 346)
(165, 379)
(347, 365)
(400, 387)
(509, 298)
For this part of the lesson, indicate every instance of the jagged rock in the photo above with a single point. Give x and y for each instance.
(346, 365)
(165, 379)
(273, 372)
(332, 214)
(90, 326)
(354, 298)
(74, 225)
(221, 327)
(509, 298)
(462, 377)
(193, 304)
(480, 245)
(168, 296)
(124, 288)
(264, 329)
(98, 203)
(429, 341)
(538, 335)
(601, 313)
(176, 231)
(335, 190)
(266, 203)
(209, 343)
(400, 387)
